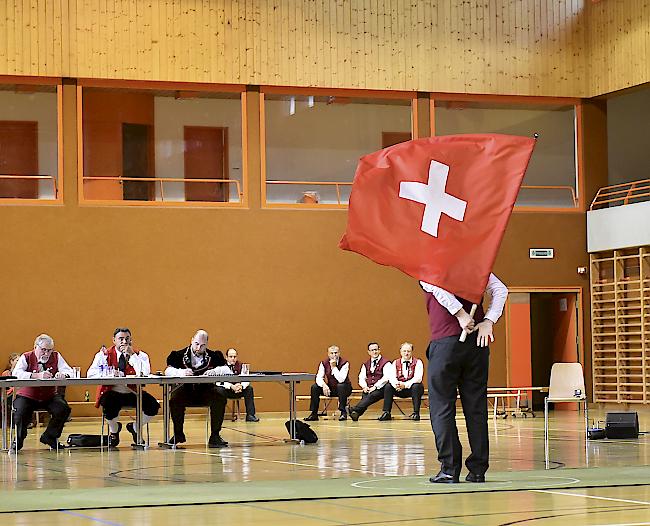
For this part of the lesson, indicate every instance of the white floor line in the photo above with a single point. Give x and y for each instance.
(373, 473)
(613, 499)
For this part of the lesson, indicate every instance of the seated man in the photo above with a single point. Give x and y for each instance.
(406, 380)
(331, 380)
(373, 378)
(239, 390)
(42, 362)
(124, 360)
(197, 360)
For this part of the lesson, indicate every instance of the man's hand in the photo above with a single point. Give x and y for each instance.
(485, 335)
(127, 348)
(366, 389)
(43, 376)
(326, 391)
(465, 321)
(60, 375)
(210, 372)
(399, 386)
(237, 388)
(190, 372)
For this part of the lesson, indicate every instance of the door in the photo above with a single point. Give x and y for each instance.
(206, 157)
(392, 138)
(19, 156)
(136, 162)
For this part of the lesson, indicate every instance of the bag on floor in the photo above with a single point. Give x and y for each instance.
(303, 432)
(80, 440)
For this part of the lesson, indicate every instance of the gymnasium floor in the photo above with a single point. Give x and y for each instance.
(368, 472)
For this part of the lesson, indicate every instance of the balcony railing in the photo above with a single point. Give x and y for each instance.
(621, 194)
(13, 177)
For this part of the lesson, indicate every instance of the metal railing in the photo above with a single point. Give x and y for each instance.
(621, 194)
(162, 180)
(55, 189)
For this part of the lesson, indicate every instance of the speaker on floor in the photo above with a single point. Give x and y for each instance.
(622, 425)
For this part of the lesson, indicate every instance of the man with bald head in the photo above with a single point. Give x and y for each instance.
(197, 360)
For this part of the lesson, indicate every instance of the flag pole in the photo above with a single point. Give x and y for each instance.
(463, 335)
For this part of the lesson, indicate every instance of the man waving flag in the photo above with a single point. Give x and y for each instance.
(437, 208)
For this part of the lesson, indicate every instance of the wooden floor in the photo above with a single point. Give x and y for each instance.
(333, 482)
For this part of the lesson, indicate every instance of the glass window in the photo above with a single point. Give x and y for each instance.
(28, 142)
(551, 178)
(162, 146)
(313, 143)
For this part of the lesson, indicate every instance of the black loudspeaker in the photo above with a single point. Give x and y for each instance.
(622, 425)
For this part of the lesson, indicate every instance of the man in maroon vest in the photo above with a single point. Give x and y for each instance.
(42, 362)
(373, 378)
(406, 379)
(332, 379)
(238, 390)
(462, 367)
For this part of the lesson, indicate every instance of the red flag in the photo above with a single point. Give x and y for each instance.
(437, 208)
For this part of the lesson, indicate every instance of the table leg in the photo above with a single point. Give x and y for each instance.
(165, 401)
(292, 410)
(5, 410)
(138, 418)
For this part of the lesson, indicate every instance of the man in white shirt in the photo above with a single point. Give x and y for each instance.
(332, 379)
(235, 391)
(406, 379)
(373, 378)
(121, 359)
(462, 367)
(43, 362)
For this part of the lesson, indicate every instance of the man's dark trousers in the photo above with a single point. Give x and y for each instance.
(464, 366)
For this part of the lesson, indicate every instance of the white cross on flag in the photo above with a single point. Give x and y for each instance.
(437, 208)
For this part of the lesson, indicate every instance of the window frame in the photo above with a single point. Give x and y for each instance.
(144, 85)
(351, 93)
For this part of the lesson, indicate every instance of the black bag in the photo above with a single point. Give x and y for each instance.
(303, 432)
(79, 440)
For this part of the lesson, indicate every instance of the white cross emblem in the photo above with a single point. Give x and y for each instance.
(432, 195)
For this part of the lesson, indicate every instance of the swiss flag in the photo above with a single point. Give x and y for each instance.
(437, 208)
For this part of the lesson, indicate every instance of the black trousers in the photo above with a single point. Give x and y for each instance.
(112, 403)
(25, 407)
(197, 395)
(343, 391)
(247, 394)
(464, 367)
(415, 392)
(367, 399)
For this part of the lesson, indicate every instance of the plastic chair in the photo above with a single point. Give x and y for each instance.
(567, 384)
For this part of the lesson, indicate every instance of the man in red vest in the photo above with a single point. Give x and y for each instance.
(237, 391)
(373, 378)
(332, 379)
(42, 363)
(406, 379)
(122, 359)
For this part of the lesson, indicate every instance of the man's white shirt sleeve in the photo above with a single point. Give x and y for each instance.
(20, 369)
(362, 377)
(320, 376)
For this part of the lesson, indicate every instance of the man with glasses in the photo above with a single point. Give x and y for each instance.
(122, 359)
(373, 377)
(197, 360)
(43, 362)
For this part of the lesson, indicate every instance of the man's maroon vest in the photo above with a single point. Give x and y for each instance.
(398, 369)
(40, 393)
(236, 367)
(442, 323)
(330, 379)
(373, 378)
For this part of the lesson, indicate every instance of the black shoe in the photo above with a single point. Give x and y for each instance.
(15, 447)
(343, 416)
(177, 439)
(311, 418)
(415, 416)
(385, 416)
(114, 438)
(131, 429)
(354, 415)
(252, 418)
(216, 441)
(473, 477)
(50, 441)
(444, 478)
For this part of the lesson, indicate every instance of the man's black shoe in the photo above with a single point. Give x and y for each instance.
(114, 438)
(343, 416)
(177, 439)
(252, 418)
(415, 416)
(444, 478)
(131, 429)
(385, 416)
(16, 446)
(217, 441)
(354, 415)
(311, 418)
(473, 477)
(52, 442)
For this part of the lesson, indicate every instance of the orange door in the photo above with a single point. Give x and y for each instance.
(392, 138)
(19, 156)
(206, 157)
